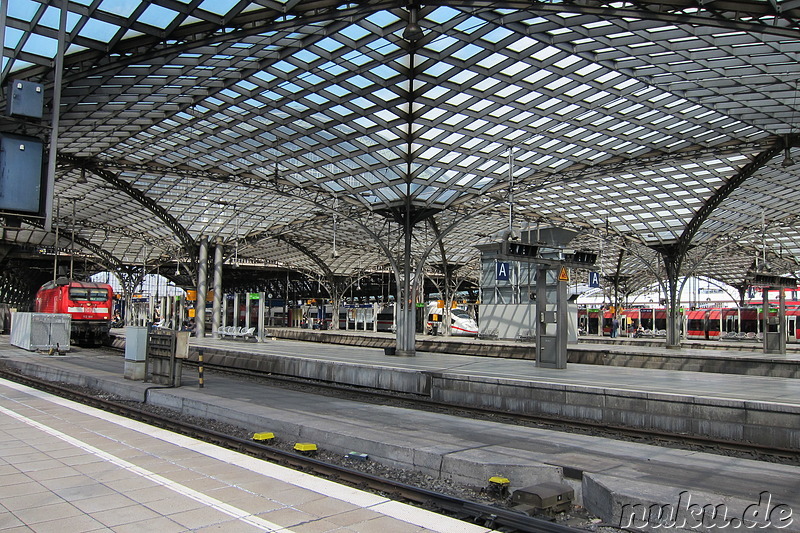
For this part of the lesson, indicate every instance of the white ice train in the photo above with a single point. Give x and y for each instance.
(461, 323)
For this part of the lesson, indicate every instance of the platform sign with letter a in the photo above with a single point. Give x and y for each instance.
(594, 280)
(563, 274)
(502, 270)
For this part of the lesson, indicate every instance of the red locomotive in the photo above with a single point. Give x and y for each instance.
(89, 304)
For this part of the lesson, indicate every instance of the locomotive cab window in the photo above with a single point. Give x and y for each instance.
(87, 294)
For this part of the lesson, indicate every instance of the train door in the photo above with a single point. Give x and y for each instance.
(607, 320)
(593, 323)
(696, 324)
(713, 324)
(730, 323)
(791, 326)
(647, 319)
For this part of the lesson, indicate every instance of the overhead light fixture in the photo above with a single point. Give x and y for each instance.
(82, 177)
(413, 31)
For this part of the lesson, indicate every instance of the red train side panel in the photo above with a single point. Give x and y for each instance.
(89, 305)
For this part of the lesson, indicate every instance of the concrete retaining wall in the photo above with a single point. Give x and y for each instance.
(739, 421)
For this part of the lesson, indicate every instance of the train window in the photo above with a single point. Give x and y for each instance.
(87, 294)
(459, 313)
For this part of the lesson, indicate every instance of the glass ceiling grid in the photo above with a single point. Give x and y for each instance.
(532, 82)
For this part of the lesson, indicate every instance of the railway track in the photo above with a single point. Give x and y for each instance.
(697, 443)
(487, 515)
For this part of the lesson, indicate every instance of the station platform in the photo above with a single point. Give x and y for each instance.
(67, 467)
(727, 357)
(613, 479)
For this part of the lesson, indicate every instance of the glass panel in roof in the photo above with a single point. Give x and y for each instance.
(22, 9)
(98, 30)
(328, 44)
(470, 25)
(333, 69)
(305, 56)
(52, 19)
(466, 52)
(219, 7)
(441, 43)
(123, 8)
(284, 66)
(354, 32)
(383, 18)
(358, 58)
(40, 45)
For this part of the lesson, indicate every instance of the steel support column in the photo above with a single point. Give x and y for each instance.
(406, 319)
(202, 288)
(217, 305)
(262, 297)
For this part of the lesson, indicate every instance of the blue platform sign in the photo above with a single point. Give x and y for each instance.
(594, 279)
(502, 269)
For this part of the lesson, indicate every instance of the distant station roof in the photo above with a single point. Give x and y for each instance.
(306, 134)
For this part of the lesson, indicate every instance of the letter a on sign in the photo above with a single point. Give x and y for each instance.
(563, 274)
(502, 271)
(594, 279)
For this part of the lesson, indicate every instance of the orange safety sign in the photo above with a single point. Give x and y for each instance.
(563, 274)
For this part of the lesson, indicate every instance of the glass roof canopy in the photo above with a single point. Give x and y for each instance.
(296, 132)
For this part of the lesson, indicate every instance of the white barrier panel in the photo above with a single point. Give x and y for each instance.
(40, 331)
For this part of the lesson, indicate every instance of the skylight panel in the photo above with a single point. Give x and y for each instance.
(218, 7)
(467, 52)
(463, 77)
(501, 111)
(524, 116)
(98, 30)
(486, 84)
(354, 32)
(491, 61)
(337, 90)
(522, 44)
(546, 53)
(497, 35)
(284, 66)
(51, 18)
(567, 109)
(470, 25)
(588, 70)
(13, 37)
(40, 45)
(535, 77)
(357, 58)
(597, 24)
(383, 19)
(22, 9)
(550, 102)
(328, 44)
(157, 16)
(306, 56)
(384, 72)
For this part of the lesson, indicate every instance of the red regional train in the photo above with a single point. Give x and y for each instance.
(713, 323)
(89, 305)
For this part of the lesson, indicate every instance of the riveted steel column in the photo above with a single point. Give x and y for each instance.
(235, 321)
(406, 319)
(202, 288)
(217, 306)
(262, 300)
